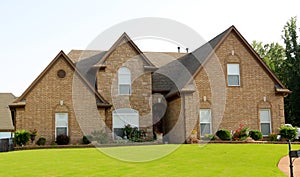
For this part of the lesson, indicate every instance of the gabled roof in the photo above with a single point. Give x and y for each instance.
(6, 123)
(61, 54)
(174, 76)
(254, 53)
(125, 38)
(160, 59)
(79, 55)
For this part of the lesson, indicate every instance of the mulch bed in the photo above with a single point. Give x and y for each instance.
(32, 147)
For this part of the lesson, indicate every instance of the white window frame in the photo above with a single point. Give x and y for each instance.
(122, 116)
(56, 126)
(123, 71)
(232, 73)
(210, 121)
(264, 122)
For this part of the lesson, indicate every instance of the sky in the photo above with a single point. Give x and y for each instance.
(33, 32)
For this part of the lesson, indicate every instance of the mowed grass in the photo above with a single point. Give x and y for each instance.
(239, 160)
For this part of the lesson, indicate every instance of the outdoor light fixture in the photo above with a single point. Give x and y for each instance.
(232, 52)
(159, 100)
(61, 102)
(204, 98)
(265, 98)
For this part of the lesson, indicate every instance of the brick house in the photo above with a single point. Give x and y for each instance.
(221, 84)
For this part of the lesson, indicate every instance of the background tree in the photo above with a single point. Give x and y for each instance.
(292, 68)
(273, 55)
(285, 63)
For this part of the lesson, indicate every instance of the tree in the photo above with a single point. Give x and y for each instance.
(285, 63)
(292, 68)
(273, 55)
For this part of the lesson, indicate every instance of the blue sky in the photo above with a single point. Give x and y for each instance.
(33, 32)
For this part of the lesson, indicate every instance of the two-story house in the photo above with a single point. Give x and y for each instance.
(221, 84)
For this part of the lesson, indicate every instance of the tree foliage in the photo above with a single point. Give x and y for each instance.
(285, 63)
(273, 55)
(292, 68)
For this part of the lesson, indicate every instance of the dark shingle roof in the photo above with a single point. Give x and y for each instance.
(175, 75)
(5, 115)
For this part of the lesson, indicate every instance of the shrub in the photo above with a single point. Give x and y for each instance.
(134, 134)
(255, 134)
(100, 136)
(62, 139)
(273, 137)
(223, 134)
(288, 132)
(209, 137)
(86, 139)
(241, 133)
(41, 141)
(21, 137)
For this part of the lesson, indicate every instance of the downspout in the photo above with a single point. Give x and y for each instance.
(184, 118)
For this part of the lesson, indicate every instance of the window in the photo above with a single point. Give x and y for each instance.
(61, 73)
(265, 121)
(124, 81)
(61, 124)
(233, 72)
(122, 117)
(205, 122)
(4, 135)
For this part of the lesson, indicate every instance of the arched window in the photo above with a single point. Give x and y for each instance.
(123, 117)
(124, 81)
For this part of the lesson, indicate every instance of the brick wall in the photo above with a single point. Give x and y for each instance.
(43, 101)
(140, 99)
(242, 103)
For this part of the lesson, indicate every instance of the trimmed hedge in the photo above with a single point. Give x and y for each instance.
(41, 141)
(86, 139)
(62, 139)
(223, 134)
(255, 134)
(288, 132)
(21, 137)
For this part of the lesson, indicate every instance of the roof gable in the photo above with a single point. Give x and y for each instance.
(125, 38)
(62, 55)
(194, 61)
(264, 66)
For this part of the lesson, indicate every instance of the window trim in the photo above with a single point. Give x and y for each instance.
(128, 74)
(235, 74)
(210, 123)
(62, 126)
(270, 122)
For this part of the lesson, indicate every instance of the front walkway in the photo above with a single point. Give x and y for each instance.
(284, 166)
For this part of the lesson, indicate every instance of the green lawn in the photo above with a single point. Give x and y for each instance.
(188, 160)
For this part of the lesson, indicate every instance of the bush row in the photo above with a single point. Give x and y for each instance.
(286, 132)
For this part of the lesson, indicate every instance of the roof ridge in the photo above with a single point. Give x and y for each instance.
(118, 42)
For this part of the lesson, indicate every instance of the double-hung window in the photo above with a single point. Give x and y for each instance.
(124, 81)
(233, 74)
(205, 122)
(265, 121)
(61, 124)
